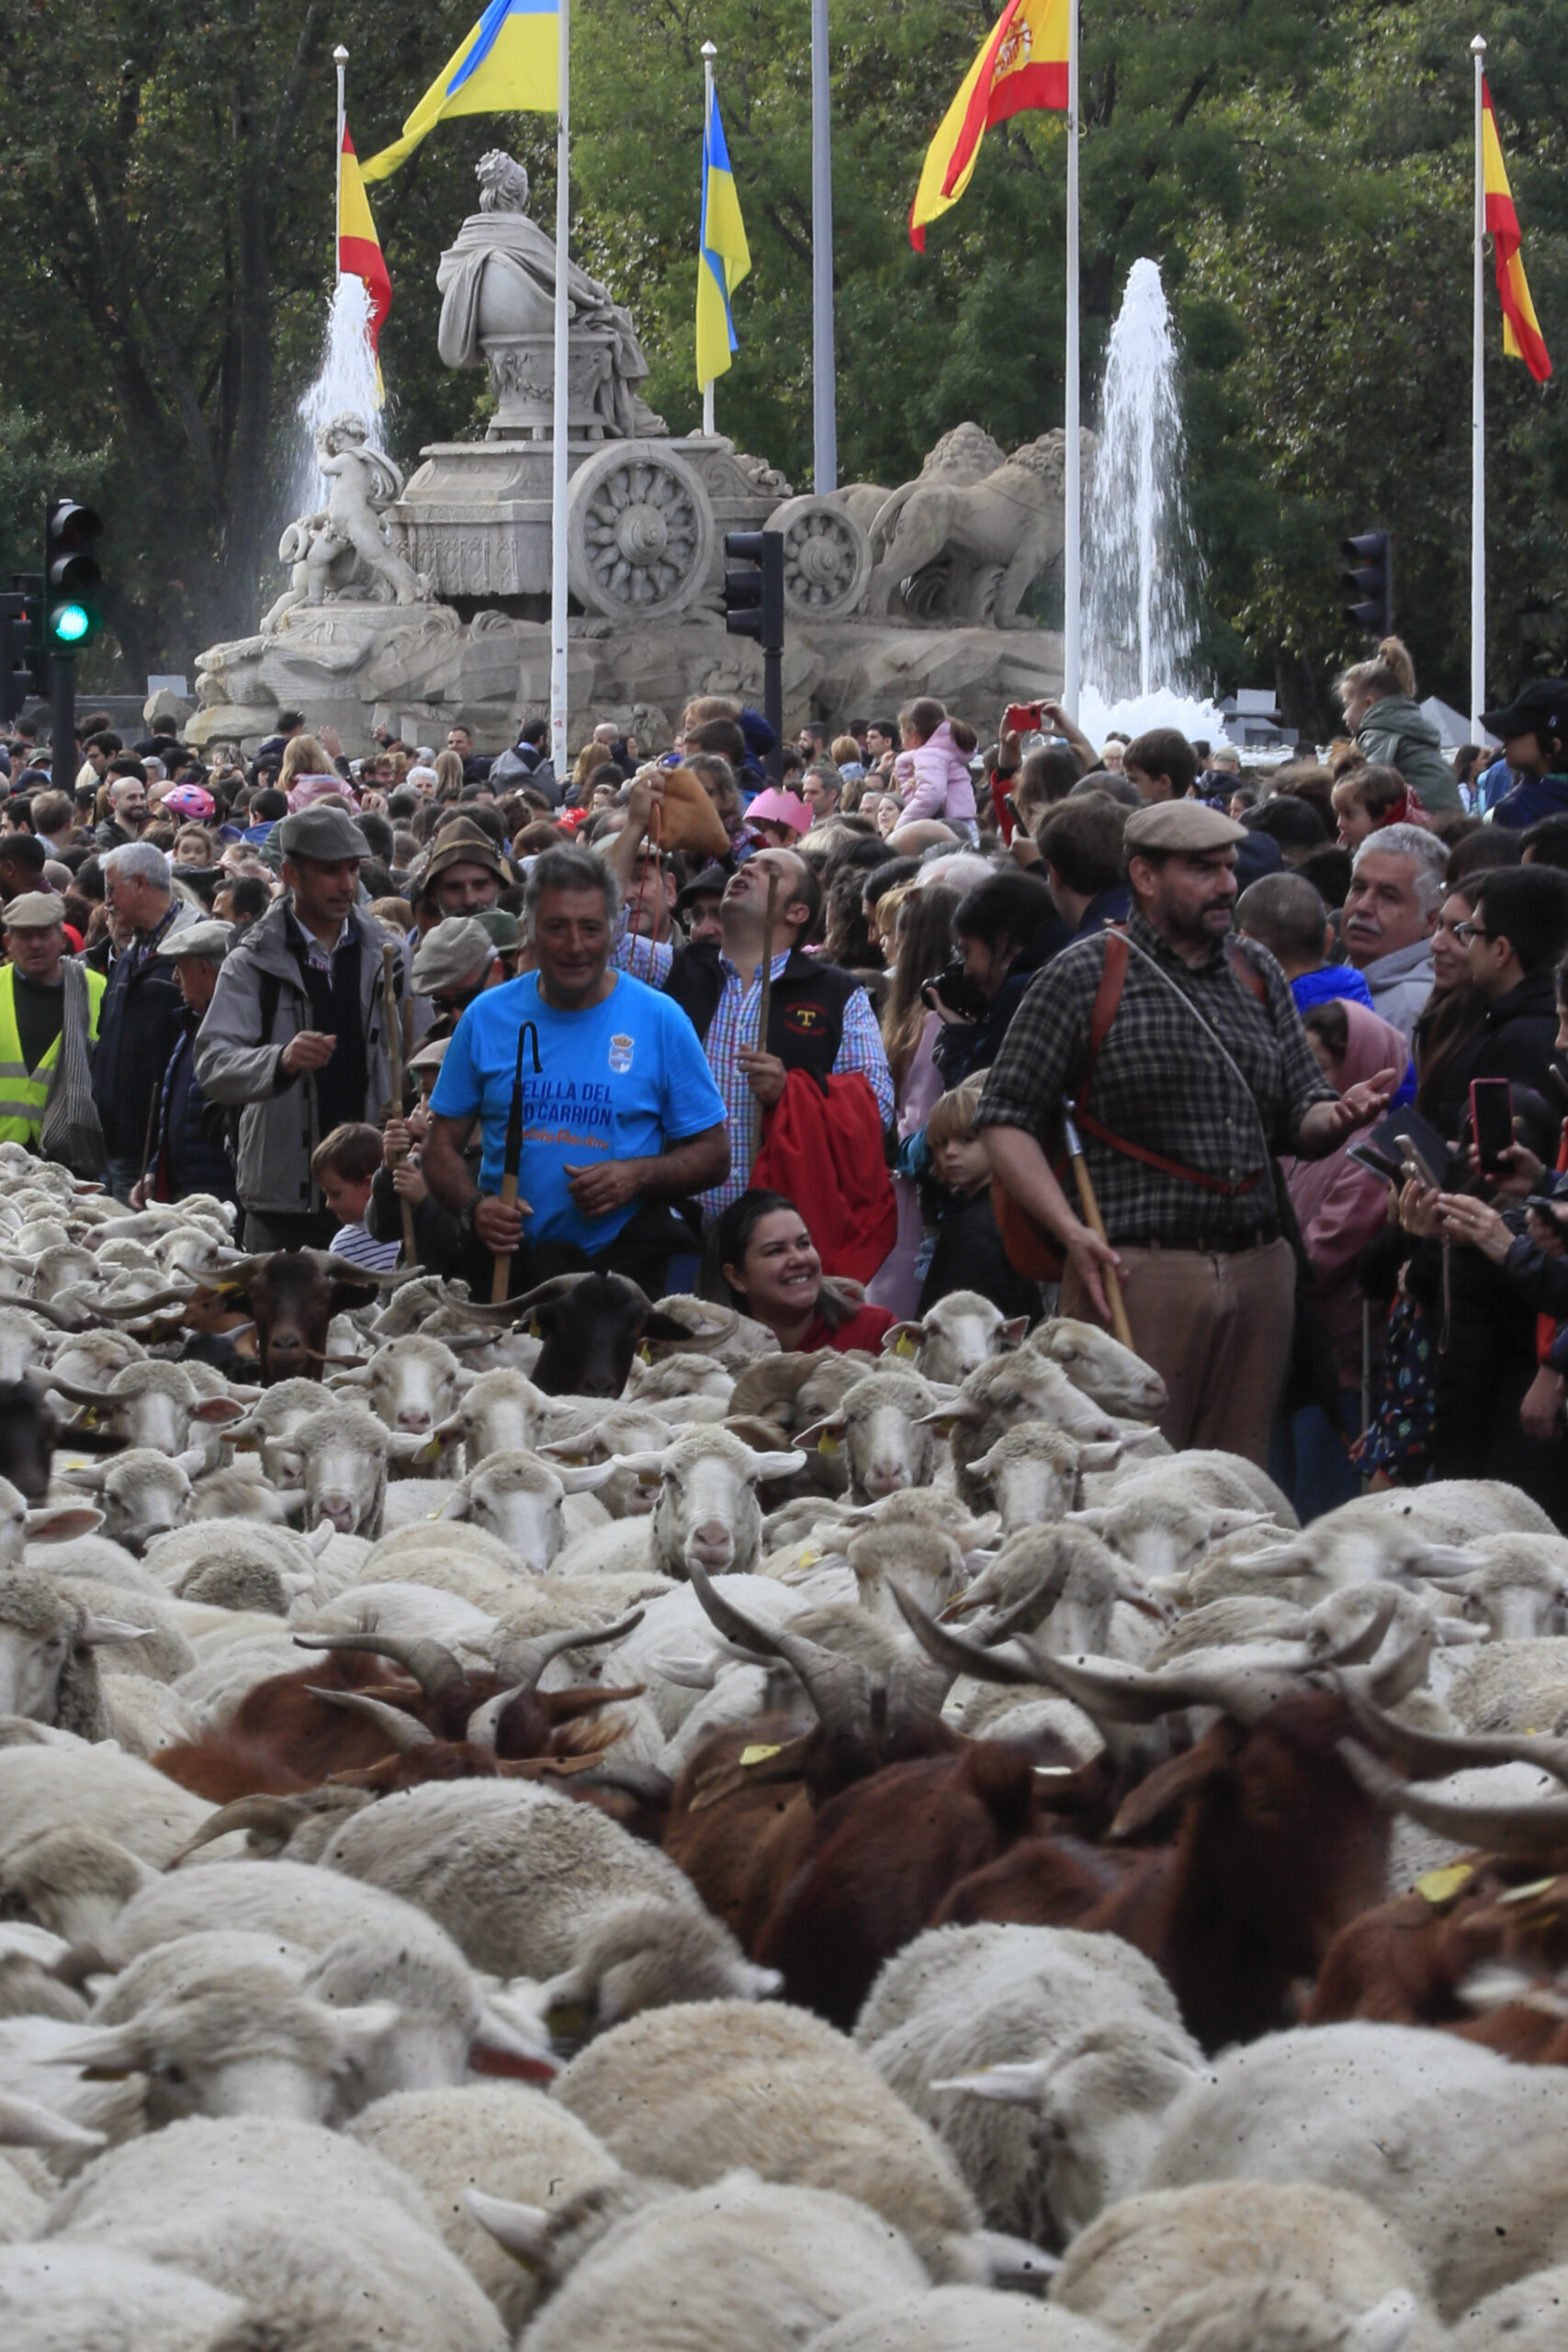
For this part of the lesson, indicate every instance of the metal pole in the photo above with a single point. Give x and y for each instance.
(709, 54)
(824, 408)
(558, 674)
(340, 59)
(62, 717)
(1478, 426)
(1072, 487)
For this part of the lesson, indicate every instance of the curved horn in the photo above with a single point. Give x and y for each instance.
(484, 1724)
(273, 1816)
(1361, 1646)
(527, 1661)
(1431, 1756)
(1523, 1829)
(132, 1310)
(839, 1688)
(954, 1652)
(73, 1390)
(432, 1665)
(405, 1732)
(627, 1778)
(24, 2124)
(47, 1313)
(345, 1270)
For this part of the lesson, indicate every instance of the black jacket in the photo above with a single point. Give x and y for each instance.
(141, 1022)
(1516, 1040)
(969, 1256)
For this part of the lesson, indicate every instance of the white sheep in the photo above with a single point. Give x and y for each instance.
(1527, 2317)
(1035, 1473)
(1249, 2267)
(142, 1494)
(953, 1338)
(49, 1788)
(622, 1429)
(155, 1405)
(742, 2262)
(1520, 1591)
(512, 2141)
(520, 1500)
(239, 1565)
(500, 1412)
(65, 2298)
(1407, 1531)
(881, 1424)
(1008, 1389)
(1512, 1686)
(412, 1384)
(963, 2319)
(1114, 1376)
(1371, 2108)
(271, 1421)
(688, 2092)
(965, 2023)
(1061, 1583)
(707, 1511)
(344, 1450)
(324, 2238)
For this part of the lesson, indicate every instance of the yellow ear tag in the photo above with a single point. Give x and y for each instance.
(1439, 1887)
(756, 1755)
(807, 1556)
(431, 1453)
(904, 1346)
(1523, 1893)
(645, 1353)
(532, 1327)
(89, 1419)
(826, 1445)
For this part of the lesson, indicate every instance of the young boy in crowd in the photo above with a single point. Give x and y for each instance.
(968, 1253)
(343, 1164)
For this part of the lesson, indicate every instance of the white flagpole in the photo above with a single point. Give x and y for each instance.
(824, 395)
(1478, 427)
(1072, 487)
(340, 59)
(559, 675)
(709, 54)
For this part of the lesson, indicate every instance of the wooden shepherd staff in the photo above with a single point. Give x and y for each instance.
(395, 1066)
(764, 1005)
(1120, 1327)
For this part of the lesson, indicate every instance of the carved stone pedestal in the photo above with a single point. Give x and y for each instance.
(522, 376)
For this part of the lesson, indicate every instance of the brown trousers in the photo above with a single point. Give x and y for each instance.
(1217, 1328)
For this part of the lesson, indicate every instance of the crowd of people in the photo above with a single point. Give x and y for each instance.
(834, 1028)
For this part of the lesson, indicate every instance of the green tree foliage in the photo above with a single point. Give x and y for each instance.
(1301, 173)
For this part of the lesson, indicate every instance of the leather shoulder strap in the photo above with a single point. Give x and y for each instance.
(1107, 998)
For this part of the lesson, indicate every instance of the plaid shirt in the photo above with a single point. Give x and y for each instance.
(734, 1025)
(1159, 1083)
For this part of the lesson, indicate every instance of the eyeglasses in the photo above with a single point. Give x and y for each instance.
(1465, 932)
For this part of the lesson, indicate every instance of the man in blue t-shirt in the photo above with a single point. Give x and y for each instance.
(621, 1120)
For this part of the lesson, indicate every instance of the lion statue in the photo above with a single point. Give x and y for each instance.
(963, 546)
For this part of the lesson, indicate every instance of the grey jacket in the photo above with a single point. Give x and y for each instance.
(236, 1064)
(1401, 983)
(1396, 733)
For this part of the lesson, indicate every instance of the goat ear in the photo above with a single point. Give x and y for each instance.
(902, 1339)
(1019, 2086)
(1386, 2326)
(360, 2030)
(59, 1523)
(666, 1328)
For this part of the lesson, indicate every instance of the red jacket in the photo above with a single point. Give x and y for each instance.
(822, 1150)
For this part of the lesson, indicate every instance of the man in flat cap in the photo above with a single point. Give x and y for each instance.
(189, 1155)
(1183, 1056)
(35, 1002)
(454, 964)
(295, 1035)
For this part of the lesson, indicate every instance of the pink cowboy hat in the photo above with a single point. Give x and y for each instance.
(776, 807)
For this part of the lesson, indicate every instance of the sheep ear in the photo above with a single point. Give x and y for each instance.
(84, 1473)
(1094, 1519)
(192, 1461)
(524, 2231)
(1018, 2085)
(24, 2124)
(649, 1466)
(825, 1436)
(111, 2051)
(951, 1414)
(219, 1409)
(689, 1673)
(360, 2030)
(455, 1507)
(1386, 2326)
(1283, 1560)
(102, 1633)
(766, 1984)
(1014, 1329)
(1100, 1456)
(902, 1339)
(586, 1477)
(501, 2047)
(58, 1522)
(776, 1466)
(1015, 2262)
(319, 1537)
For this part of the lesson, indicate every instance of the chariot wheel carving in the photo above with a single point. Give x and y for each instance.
(826, 557)
(640, 532)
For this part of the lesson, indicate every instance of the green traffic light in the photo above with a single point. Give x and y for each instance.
(69, 624)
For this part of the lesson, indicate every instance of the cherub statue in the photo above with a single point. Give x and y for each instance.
(364, 482)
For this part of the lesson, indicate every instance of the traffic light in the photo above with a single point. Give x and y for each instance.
(16, 652)
(753, 599)
(72, 614)
(1371, 557)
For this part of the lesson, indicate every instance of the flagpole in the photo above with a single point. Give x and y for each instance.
(1072, 487)
(340, 59)
(559, 672)
(1478, 424)
(824, 406)
(709, 52)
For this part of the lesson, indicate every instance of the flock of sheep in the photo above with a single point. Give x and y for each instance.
(751, 1854)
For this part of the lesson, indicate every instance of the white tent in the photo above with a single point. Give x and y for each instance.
(1453, 729)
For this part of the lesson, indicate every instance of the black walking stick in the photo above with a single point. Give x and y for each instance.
(512, 1159)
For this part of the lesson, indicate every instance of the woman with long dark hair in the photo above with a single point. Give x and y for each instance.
(762, 1260)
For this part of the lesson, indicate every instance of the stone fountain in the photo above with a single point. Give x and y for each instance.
(413, 604)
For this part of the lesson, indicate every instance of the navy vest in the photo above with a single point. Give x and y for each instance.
(805, 1012)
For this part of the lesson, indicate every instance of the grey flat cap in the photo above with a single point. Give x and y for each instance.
(455, 952)
(1182, 825)
(328, 835)
(35, 910)
(210, 940)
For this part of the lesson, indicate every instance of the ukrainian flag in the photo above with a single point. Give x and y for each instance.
(725, 258)
(508, 65)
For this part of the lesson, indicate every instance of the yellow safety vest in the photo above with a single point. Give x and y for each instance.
(24, 1092)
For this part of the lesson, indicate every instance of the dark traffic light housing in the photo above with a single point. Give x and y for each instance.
(18, 614)
(1371, 557)
(73, 583)
(753, 598)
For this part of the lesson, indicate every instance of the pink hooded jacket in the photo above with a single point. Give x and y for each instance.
(1341, 1207)
(935, 780)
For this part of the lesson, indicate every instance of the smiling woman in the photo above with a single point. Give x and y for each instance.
(762, 1250)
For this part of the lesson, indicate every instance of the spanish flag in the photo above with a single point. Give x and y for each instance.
(359, 251)
(1521, 335)
(1022, 64)
(506, 66)
(725, 257)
